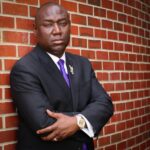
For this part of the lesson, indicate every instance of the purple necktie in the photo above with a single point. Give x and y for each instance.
(84, 147)
(63, 72)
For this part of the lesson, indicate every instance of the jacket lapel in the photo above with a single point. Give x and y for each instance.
(52, 69)
(73, 75)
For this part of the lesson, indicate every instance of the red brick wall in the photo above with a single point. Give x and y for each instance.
(115, 36)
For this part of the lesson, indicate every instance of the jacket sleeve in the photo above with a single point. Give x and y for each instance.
(30, 100)
(100, 108)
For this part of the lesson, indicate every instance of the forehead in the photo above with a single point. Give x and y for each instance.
(52, 12)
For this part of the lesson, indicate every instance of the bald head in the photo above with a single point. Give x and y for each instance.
(47, 7)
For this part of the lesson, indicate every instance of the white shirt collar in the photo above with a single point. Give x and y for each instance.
(56, 59)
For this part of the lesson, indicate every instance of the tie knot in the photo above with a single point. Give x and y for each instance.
(61, 62)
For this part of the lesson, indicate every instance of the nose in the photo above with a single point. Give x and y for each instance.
(56, 29)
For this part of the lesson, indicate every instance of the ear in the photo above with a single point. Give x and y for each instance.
(35, 29)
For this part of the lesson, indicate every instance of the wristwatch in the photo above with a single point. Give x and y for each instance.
(81, 122)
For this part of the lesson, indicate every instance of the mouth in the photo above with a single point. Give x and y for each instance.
(57, 42)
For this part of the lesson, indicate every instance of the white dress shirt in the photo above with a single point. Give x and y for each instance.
(89, 129)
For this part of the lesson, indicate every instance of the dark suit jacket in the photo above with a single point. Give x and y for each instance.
(37, 85)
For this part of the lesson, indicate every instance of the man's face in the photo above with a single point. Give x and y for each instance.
(53, 29)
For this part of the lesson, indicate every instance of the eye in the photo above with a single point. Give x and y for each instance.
(63, 23)
(47, 24)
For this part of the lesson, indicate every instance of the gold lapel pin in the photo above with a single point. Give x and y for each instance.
(71, 69)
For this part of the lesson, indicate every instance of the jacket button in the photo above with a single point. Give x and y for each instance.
(79, 148)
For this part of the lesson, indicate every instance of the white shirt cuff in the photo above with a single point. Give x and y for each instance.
(89, 129)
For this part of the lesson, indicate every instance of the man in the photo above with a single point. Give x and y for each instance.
(60, 103)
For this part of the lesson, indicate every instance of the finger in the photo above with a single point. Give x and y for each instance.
(50, 137)
(47, 129)
(53, 114)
